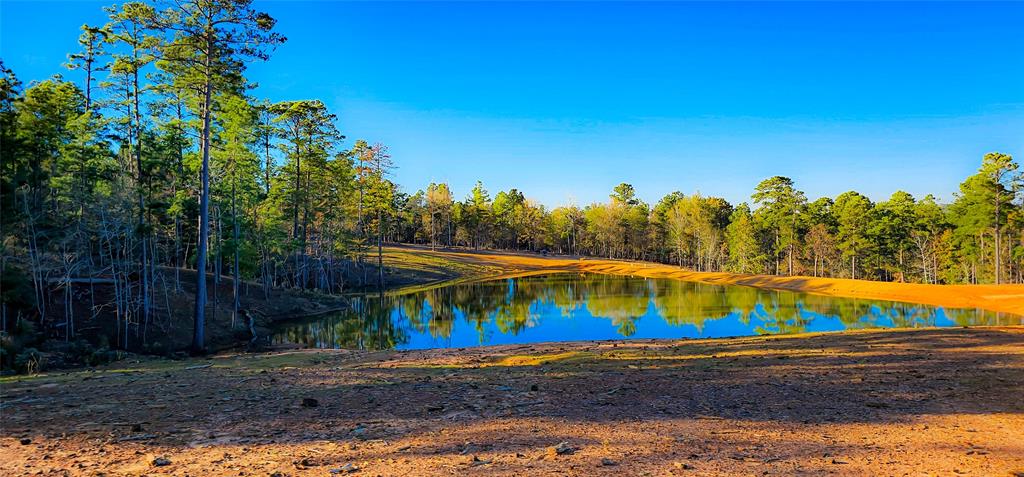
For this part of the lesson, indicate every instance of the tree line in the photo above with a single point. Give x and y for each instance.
(977, 238)
(154, 158)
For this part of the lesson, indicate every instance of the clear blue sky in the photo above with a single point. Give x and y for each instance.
(565, 100)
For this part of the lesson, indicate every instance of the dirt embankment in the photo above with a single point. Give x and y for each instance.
(1000, 298)
(898, 402)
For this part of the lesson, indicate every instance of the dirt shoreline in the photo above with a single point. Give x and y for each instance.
(999, 298)
(895, 402)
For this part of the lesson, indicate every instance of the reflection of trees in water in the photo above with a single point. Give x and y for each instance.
(477, 302)
(514, 305)
(688, 303)
(517, 312)
(366, 325)
(621, 300)
(973, 317)
(774, 311)
(780, 313)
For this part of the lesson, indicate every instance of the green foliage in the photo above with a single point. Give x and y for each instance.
(893, 230)
(854, 214)
(781, 210)
(746, 253)
(695, 227)
(82, 352)
(624, 194)
(16, 293)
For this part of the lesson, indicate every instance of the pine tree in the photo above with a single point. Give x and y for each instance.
(780, 207)
(211, 40)
(854, 214)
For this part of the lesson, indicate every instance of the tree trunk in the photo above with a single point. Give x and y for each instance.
(295, 209)
(998, 246)
(235, 277)
(269, 163)
(144, 253)
(380, 250)
(199, 327)
(790, 267)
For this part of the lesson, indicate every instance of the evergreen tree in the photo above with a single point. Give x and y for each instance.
(854, 214)
(210, 42)
(780, 207)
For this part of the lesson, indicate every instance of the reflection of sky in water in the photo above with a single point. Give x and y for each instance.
(560, 308)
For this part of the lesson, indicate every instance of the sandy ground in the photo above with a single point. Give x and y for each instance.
(921, 402)
(1002, 298)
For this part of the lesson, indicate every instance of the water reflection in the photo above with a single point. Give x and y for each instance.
(568, 307)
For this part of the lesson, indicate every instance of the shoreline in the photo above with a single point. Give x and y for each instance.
(996, 298)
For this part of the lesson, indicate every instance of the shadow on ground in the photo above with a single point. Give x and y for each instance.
(740, 402)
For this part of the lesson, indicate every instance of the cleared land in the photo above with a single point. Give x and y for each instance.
(926, 402)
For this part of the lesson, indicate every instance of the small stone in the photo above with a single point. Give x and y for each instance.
(682, 465)
(25, 441)
(534, 387)
(839, 462)
(359, 432)
(310, 402)
(345, 469)
(608, 462)
(161, 461)
(478, 461)
(563, 448)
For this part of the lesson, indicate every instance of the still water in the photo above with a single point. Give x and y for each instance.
(572, 307)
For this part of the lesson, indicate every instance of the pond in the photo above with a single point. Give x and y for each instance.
(574, 307)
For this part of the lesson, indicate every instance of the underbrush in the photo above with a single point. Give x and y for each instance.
(23, 352)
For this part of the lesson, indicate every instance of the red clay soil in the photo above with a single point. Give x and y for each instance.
(921, 402)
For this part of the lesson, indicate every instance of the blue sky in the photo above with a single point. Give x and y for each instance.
(565, 100)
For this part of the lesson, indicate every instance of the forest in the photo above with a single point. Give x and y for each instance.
(151, 158)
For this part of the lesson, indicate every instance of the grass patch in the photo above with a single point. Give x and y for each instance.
(541, 359)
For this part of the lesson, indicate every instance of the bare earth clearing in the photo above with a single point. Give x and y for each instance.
(912, 402)
(925, 402)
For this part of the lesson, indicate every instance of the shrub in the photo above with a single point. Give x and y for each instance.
(79, 351)
(5, 352)
(29, 361)
(104, 356)
(20, 337)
